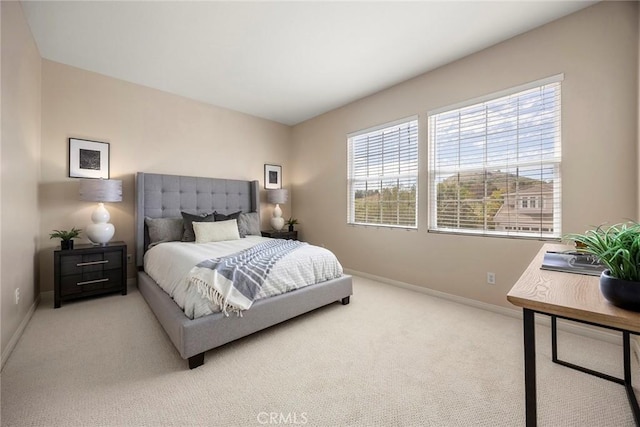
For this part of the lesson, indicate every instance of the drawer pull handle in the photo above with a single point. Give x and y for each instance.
(92, 281)
(82, 264)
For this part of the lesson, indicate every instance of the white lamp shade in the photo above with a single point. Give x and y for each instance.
(100, 231)
(101, 190)
(277, 196)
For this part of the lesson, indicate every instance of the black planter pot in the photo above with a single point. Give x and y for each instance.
(291, 228)
(66, 244)
(621, 293)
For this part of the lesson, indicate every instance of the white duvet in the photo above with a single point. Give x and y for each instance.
(169, 264)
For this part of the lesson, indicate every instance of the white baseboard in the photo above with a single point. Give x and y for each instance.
(575, 328)
(16, 336)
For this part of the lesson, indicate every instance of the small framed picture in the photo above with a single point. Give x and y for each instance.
(272, 176)
(88, 159)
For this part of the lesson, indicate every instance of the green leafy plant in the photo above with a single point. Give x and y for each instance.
(64, 234)
(617, 247)
(292, 221)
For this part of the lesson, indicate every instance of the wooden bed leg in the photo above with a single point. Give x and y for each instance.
(345, 300)
(197, 360)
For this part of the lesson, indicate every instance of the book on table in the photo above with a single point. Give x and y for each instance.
(572, 262)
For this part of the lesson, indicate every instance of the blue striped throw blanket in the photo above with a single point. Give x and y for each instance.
(232, 282)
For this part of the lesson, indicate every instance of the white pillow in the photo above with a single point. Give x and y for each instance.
(216, 231)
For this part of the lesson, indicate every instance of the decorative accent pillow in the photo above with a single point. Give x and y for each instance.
(216, 231)
(164, 230)
(188, 234)
(222, 217)
(249, 224)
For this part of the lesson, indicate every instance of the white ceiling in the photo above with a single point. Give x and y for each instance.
(283, 61)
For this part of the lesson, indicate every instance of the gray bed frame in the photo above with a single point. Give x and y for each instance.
(165, 196)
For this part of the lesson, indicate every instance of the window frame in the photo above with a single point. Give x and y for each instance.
(411, 122)
(510, 231)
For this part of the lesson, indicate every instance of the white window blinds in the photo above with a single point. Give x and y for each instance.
(383, 175)
(495, 164)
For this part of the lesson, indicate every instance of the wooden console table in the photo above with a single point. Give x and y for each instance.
(574, 297)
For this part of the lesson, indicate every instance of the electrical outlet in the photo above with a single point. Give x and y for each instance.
(491, 278)
(129, 258)
(17, 295)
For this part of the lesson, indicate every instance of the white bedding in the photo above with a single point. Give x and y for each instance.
(169, 263)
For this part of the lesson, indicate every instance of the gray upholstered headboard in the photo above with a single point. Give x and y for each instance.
(166, 196)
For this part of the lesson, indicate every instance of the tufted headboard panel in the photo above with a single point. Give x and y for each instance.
(166, 196)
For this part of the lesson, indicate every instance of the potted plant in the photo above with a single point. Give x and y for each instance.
(618, 248)
(291, 221)
(66, 237)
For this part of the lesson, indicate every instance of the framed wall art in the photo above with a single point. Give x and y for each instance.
(272, 176)
(88, 159)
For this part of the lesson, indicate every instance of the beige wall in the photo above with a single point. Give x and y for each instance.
(149, 131)
(20, 170)
(596, 49)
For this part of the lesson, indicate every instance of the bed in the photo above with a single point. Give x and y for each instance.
(166, 196)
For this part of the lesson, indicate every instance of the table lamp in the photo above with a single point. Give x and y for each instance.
(276, 197)
(100, 190)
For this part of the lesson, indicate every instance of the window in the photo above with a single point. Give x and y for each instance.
(531, 202)
(495, 163)
(383, 175)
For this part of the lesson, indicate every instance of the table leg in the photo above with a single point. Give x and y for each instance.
(554, 339)
(530, 366)
(626, 381)
(626, 345)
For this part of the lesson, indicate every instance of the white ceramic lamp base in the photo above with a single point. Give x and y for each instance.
(277, 222)
(100, 231)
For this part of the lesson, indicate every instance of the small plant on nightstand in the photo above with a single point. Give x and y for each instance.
(291, 222)
(66, 237)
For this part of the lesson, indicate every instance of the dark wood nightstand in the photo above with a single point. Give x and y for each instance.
(89, 270)
(287, 235)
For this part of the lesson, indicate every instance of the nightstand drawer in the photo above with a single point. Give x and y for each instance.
(90, 281)
(79, 264)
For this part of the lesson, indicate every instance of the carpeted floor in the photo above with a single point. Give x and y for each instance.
(392, 357)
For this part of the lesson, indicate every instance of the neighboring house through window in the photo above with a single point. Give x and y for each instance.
(383, 175)
(495, 163)
(525, 210)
